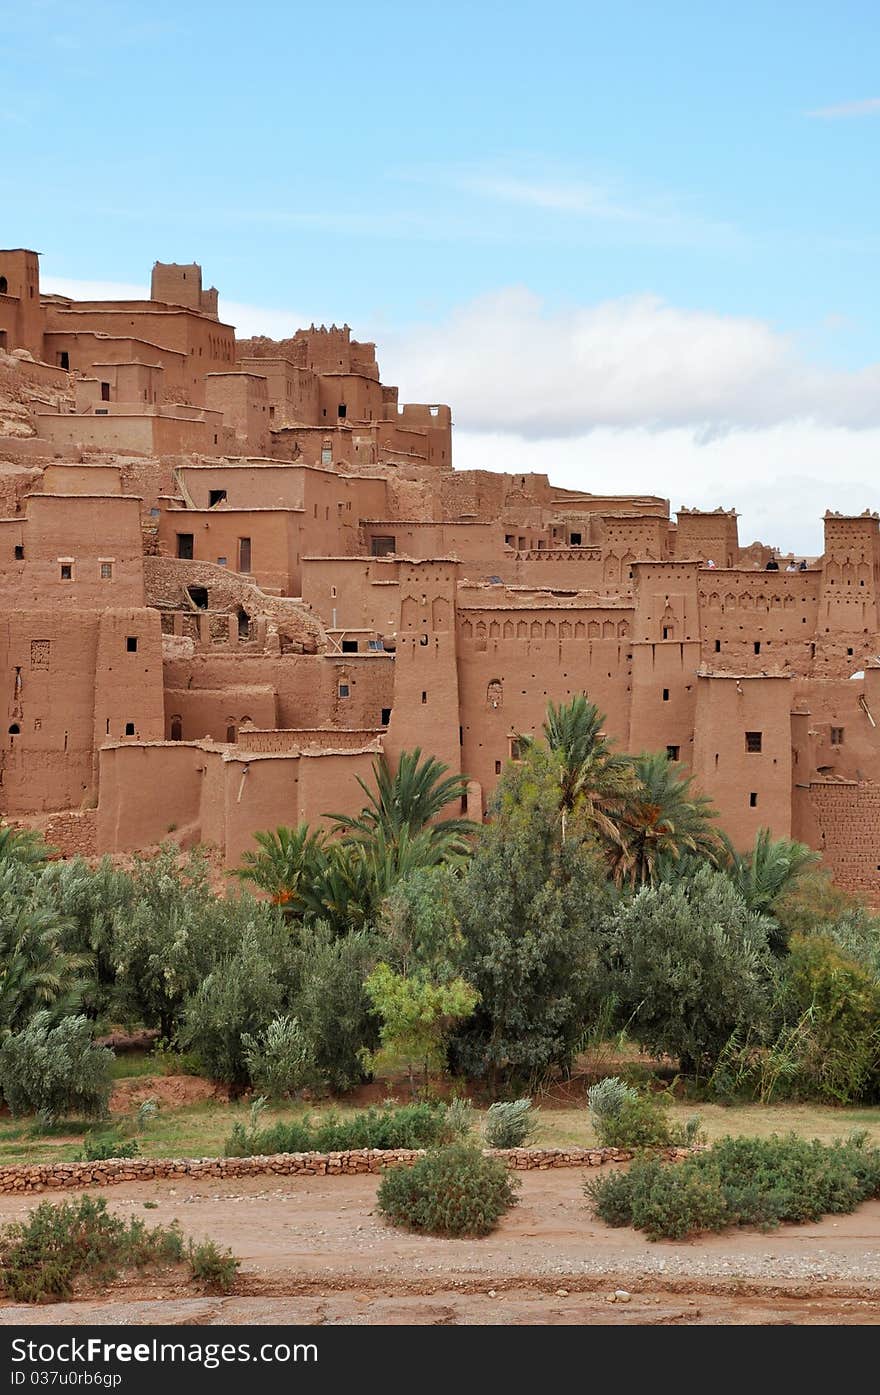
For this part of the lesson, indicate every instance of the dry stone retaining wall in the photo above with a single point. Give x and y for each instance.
(58, 1176)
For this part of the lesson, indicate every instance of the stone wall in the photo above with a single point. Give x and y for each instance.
(59, 1176)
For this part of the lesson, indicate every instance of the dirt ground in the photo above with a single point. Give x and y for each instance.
(314, 1252)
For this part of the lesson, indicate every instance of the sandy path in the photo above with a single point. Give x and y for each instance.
(312, 1251)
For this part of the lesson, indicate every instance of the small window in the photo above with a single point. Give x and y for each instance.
(753, 800)
(515, 748)
(244, 554)
(382, 546)
(106, 571)
(230, 734)
(349, 646)
(342, 411)
(757, 646)
(849, 652)
(837, 736)
(509, 539)
(386, 716)
(176, 729)
(718, 646)
(497, 767)
(216, 496)
(673, 752)
(131, 644)
(105, 392)
(185, 547)
(575, 539)
(19, 552)
(342, 690)
(129, 728)
(665, 694)
(333, 593)
(64, 360)
(67, 571)
(754, 742)
(424, 697)
(326, 455)
(4, 286)
(423, 639)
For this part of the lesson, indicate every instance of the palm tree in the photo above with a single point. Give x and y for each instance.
(24, 846)
(662, 823)
(288, 865)
(769, 869)
(35, 971)
(406, 802)
(592, 777)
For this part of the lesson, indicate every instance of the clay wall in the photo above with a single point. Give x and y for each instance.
(847, 827)
(707, 535)
(348, 397)
(21, 314)
(742, 753)
(353, 593)
(86, 348)
(292, 392)
(219, 713)
(218, 536)
(142, 434)
(148, 791)
(77, 551)
(207, 345)
(175, 284)
(72, 681)
(309, 688)
(513, 660)
(426, 693)
(242, 399)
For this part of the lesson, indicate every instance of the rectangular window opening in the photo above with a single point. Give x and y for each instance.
(837, 736)
(754, 742)
(753, 800)
(673, 752)
(131, 644)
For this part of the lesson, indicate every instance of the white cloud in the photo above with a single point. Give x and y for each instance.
(869, 106)
(507, 363)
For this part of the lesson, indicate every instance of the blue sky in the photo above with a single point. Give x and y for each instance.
(655, 223)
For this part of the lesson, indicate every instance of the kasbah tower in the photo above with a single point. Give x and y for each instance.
(235, 570)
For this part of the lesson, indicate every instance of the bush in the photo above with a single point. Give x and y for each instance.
(42, 1256)
(511, 1123)
(838, 1057)
(694, 967)
(738, 1182)
(280, 1059)
(623, 1118)
(99, 1146)
(214, 1270)
(411, 1126)
(56, 1071)
(459, 1120)
(453, 1190)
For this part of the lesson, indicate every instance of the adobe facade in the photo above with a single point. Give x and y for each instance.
(236, 570)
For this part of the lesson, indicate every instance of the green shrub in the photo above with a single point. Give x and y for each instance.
(739, 1181)
(214, 1270)
(55, 1071)
(453, 1190)
(97, 1146)
(42, 1256)
(410, 1126)
(459, 1120)
(510, 1123)
(693, 966)
(624, 1118)
(839, 1052)
(280, 1059)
